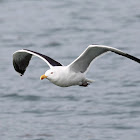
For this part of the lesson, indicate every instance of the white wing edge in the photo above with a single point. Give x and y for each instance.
(34, 55)
(100, 46)
(108, 48)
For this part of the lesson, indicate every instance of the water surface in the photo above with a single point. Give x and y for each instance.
(38, 110)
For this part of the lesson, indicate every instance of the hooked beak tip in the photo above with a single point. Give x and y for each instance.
(42, 77)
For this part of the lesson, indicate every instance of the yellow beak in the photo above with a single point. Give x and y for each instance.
(42, 77)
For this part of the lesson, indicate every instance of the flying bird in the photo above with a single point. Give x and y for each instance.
(72, 74)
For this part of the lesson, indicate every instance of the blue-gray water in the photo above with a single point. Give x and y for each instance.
(108, 109)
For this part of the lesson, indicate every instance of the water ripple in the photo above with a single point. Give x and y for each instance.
(23, 97)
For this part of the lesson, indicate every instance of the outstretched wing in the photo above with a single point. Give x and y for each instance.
(21, 59)
(93, 51)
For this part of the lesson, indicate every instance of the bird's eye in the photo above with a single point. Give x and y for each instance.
(51, 72)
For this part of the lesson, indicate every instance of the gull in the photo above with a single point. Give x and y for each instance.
(72, 74)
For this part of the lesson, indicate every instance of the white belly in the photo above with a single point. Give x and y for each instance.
(68, 78)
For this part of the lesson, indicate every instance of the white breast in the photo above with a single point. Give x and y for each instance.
(65, 77)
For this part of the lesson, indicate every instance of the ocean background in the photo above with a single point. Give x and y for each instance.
(108, 109)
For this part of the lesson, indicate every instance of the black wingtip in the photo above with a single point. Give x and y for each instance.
(129, 56)
(133, 58)
(16, 67)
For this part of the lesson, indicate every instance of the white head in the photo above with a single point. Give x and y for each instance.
(51, 74)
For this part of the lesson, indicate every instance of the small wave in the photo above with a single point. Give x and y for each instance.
(37, 135)
(23, 97)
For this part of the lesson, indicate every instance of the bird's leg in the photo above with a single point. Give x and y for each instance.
(85, 84)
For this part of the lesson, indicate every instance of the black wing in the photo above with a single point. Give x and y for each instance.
(21, 59)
